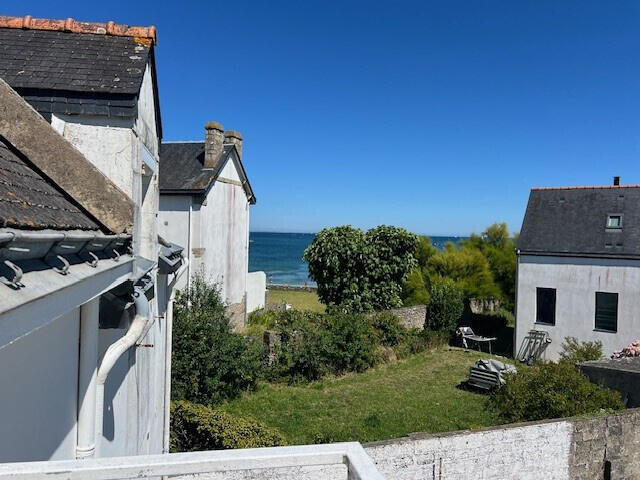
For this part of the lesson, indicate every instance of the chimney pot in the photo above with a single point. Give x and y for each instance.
(213, 143)
(616, 181)
(235, 138)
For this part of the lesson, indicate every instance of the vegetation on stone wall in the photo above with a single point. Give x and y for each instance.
(197, 427)
(210, 363)
(360, 271)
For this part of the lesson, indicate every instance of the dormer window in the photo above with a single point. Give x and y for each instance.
(614, 221)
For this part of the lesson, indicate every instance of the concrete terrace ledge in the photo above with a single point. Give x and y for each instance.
(359, 465)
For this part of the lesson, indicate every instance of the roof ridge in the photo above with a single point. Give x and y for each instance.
(145, 35)
(587, 187)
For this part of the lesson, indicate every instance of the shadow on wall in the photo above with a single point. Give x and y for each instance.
(491, 325)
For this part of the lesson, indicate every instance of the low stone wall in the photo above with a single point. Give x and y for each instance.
(604, 447)
(256, 291)
(292, 288)
(574, 448)
(410, 317)
(621, 374)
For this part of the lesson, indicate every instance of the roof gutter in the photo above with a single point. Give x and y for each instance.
(51, 247)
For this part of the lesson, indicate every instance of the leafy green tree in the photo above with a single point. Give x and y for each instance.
(358, 271)
(210, 363)
(468, 268)
(414, 291)
(445, 306)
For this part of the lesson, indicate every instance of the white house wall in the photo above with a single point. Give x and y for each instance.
(39, 378)
(119, 147)
(175, 226)
(576, 281)
(222, 239)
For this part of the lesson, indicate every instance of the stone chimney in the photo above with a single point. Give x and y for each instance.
(234, 138)
(213, 141)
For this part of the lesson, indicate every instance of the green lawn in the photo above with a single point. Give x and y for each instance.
(418, 394)
(299, 299)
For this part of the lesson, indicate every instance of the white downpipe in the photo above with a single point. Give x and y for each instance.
(167, 355)
(115, 351)
(87, 373)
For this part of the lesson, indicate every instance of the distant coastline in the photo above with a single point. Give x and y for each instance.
(279, 255)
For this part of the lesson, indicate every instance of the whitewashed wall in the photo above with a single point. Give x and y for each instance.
(256, 290)
(175, 220)
(222, 234)
(119, 147)
(38, 393)
(576, 280)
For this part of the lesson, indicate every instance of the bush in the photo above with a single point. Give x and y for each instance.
(574, 351)
(445, 307)
(313, 345)
(358, 271)
(389, 331)
(210, 363)
(417, 340)
(551, 390)
(352, 343)
(197, 427)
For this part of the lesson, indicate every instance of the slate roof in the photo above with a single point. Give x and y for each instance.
(182, 169)
(29, 201)
(73, 62)
(572, 221)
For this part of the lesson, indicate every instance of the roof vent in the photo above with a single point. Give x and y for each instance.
(616, 181)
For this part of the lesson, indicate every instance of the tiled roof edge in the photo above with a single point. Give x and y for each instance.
(586, 187)
(143, 34)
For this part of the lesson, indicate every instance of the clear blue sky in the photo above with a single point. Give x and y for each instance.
(435, 116)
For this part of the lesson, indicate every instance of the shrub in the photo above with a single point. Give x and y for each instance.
(389, 331)
(358, 271)
(445, 307)
(210, 363)
(313, 345)
(574, 351)
(418, 340)
(196, 427)
(551, 390)
(352, 343)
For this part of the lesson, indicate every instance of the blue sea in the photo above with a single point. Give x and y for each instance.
(280, 255)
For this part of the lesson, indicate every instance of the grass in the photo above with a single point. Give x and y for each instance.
(417, 394)
(299, 299)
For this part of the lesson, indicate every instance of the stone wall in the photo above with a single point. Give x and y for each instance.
(621, 374)
(292, 288)
(574, 448)
(410, 317)
(538, 451)
(603, 447)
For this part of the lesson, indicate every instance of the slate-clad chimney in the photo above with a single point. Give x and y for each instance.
(235, 138)
(213, 141)
(616, 181)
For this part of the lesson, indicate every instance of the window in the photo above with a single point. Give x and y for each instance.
(546, 306)
(607, 311)
(614, 221)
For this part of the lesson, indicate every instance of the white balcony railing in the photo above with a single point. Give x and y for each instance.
(359, 465)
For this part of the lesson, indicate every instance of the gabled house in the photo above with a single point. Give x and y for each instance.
(205, 196)
(579, 266)
(87, 351)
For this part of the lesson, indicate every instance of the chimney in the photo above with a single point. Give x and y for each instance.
(213, 140)
(234, 138)
(616, 181)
